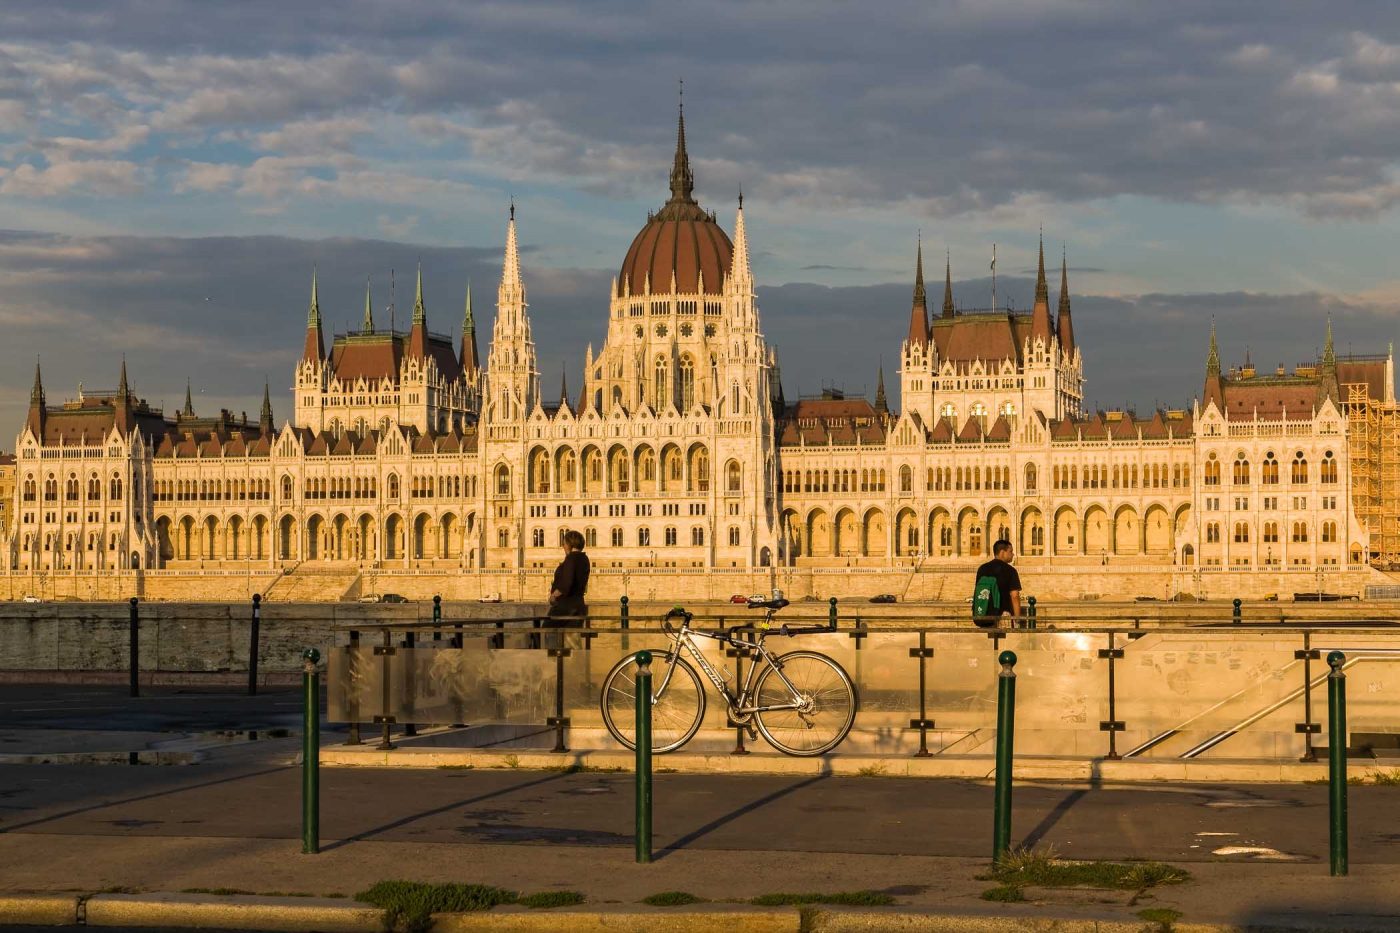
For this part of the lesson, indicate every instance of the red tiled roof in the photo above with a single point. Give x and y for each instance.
(987, 337)
(1297, 397)
(1369, 372)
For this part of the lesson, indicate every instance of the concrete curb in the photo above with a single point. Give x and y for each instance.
(944, 766)
(39, 909)
(232, 912)
(303, 915)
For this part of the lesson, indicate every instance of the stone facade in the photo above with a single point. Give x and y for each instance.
(408, 455)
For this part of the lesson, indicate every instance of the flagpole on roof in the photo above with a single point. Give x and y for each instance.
(994, 276)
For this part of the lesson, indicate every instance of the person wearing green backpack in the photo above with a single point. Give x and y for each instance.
(998, 588)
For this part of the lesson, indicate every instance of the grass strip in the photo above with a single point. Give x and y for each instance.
(1042, 869)
(1004, 894)
(409, 905)
(835, 898)
(672, 899)
(546, 899)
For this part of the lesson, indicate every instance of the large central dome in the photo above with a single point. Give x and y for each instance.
(681, 239)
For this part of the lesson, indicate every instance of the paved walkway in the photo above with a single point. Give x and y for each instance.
(232, 821)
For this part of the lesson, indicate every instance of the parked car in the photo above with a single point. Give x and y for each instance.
(884, 598)
(739, 598)
(490, 598)
(392, 598)
(371, 598)
(31, 598)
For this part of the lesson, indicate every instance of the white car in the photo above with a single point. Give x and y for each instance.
(490, 598)
(31, 598)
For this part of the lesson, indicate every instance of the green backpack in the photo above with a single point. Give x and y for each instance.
(986, 597)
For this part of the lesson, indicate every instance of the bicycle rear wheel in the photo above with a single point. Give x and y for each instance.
(827, 701)
(676, 711)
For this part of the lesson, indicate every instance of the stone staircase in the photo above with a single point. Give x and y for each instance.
(320, 583)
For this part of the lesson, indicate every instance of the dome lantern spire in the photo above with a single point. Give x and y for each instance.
(682, 180)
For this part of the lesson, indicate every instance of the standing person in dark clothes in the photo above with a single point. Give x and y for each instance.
(997, 591)
(570, 582)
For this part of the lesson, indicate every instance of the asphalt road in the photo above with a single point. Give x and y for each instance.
(243, 788)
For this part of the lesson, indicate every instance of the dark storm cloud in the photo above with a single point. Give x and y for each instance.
(952, 107)
(229, 311)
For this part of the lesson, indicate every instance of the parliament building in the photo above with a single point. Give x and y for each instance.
(408, 451)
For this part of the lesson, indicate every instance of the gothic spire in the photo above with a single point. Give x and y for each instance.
(682, 180)
(881, 403)
(420, 314)
(948, 310)
(314, 348)
(564, 388)
(1040, 313)
(265, 416)
(188, 410)
(1213, 357)
(739, 265)
(1063, 322)
(918, 311)
(1327, 387)
(37, 413)
(468, 357)
(122, 405)
(367, 325)
(123, 390)
(510, 270)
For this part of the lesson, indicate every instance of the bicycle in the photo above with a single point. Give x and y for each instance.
(803, 702)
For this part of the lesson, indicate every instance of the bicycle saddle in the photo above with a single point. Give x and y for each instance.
(766, 603)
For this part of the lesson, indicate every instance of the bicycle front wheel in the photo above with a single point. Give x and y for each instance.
(821, 703)
(678, 706)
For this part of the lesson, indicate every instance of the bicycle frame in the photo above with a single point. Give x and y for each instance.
(738, 712)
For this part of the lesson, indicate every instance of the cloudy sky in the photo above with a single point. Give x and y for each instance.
(170, 172)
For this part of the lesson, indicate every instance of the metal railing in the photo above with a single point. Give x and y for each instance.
(1223, 688)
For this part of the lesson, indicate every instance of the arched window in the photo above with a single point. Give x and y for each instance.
(1299, 473)
(502, 480)
(670, 536)
(1329, 532)
(697, 536)
(1270, 535)
(94, 488)
(906, 479)
(1213, 533)
(1241, 472)
(643, 537)
(1241, 532)
(537, 537)
(70, 488)
(1030, 477)
(687, 382)
(590, 537)
(733, 477)
(503, 537)
(50, 490)
(1329, 468)
(733, 535)
(661, 383)
(1212, 476)
(616, 537)
(1268, 474)
(1300, 532)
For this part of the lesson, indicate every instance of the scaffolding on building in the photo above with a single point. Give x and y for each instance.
(1373, 430)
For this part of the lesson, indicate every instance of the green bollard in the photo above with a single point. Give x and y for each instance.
(622, 614)
(1006, 724)
(643, 757)
(1337, 760)
(1030, 612)
(311, 753)
(831, 614)
(437, 614)
(1236, 617)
